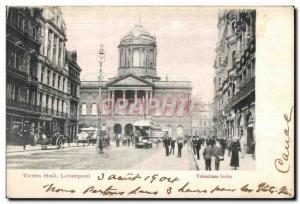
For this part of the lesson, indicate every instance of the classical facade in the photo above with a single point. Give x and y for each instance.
(22, 51)
(202, 118)
(52, 73)
(74, 92)
(137, 92)
(234, 80)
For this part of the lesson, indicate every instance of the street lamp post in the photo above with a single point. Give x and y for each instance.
(101, 54)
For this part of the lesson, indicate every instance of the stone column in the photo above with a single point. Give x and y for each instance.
(113, 102)
(124, 93)
(147, 102)
(135, 97)
(150, 102)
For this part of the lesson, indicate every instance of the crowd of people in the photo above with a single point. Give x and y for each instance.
(169, 145)
(215, 149)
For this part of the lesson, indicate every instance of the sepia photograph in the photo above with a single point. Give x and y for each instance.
(171, 91)
(149, 102)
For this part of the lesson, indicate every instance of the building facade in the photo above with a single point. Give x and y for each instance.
(52, 73)
(74, 93)
(22, 51)
(234, 80)
(137, 92)
(202, 114)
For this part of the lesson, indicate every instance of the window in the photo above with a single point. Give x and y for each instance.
(19, 59)
(52, 105)
(63, 85)
(48, 77)
(128, 58)
(57, 105)
(59, 53)
(47, 99)
(21, 22)
(34, 32)
(41, 99)
(75, 90)
(94, 109)
(151, 58)
(62, 106)
(83, 109)
(136, 57)
(58, 82)
(233, 58)
(54, 50)
(53, 80)
(42, 74)
(49, 43)
(143, 61)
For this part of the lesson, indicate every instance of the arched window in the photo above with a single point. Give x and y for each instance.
(136, 57)
(83, 109)
(94, 109)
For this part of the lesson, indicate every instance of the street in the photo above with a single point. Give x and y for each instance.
(83, 158)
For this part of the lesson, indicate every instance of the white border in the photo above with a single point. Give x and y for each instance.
(116, 3)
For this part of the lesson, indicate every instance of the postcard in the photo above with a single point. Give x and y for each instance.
(150, 102)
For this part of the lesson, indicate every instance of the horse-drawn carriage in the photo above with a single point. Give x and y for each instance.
(56, 139)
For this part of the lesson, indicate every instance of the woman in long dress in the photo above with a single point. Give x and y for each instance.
(235, 149)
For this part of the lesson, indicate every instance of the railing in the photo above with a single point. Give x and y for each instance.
(23, 105)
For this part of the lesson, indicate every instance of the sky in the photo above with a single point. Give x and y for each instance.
(186, 39)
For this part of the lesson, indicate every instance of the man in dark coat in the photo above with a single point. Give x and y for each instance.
(235, 149)
(194, 145)
(207, 154)
(198, 147)
(166, 145)
(172, 146)
(179, 146)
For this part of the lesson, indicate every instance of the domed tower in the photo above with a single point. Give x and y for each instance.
(137, 53)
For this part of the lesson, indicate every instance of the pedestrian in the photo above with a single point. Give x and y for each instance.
(194, 145)
(218, 155)
(223, 145)
(166, 144)
(243, 141)
(118, 140)
(128, 141)
(172, 146)
(108, 140)
(100, 145)
(198, 147)
(207, 154)
(228, 145)
(235, 149)
(253, 149)
(179, 146)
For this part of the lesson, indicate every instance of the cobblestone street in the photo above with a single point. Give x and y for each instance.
(113, 158)
(86, 157)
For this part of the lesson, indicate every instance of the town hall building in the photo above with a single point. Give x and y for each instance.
(137, 92)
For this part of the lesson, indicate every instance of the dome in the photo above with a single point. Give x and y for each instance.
(137, 53)
(138, 35)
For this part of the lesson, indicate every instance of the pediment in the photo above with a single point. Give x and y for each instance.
(129, 80)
